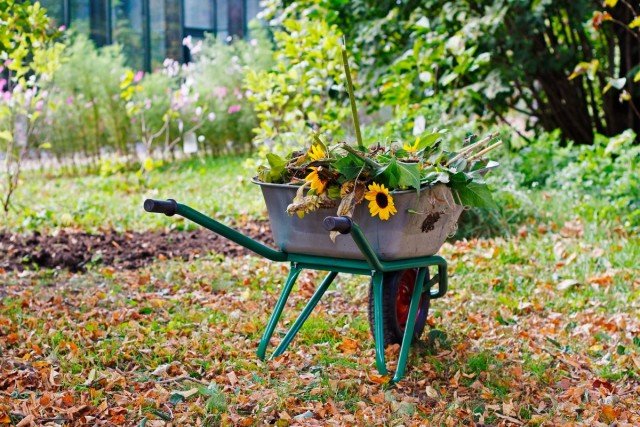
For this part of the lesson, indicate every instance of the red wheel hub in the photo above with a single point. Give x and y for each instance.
(403, 298)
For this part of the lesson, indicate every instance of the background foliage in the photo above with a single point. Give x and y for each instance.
(454, 62)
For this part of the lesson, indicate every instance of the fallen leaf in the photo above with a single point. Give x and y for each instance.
(609, 413)
(348, 346)
(161, 369)
(26, 421)
(431, 392)
(567, 284)
(603, 280)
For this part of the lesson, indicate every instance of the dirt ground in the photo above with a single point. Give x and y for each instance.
(129, 250)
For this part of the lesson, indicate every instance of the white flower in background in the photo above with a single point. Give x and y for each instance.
(200, 138)
(425, 76)
(198, 111)
(188, 42)
(419, 125)
(423, 22)
(196, 48)
(455, 45)
(253, 42)
(171, 67)
(211, 116)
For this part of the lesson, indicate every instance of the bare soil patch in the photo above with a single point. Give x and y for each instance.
(130, 250)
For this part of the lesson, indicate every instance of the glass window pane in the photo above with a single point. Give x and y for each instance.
(198, 14)
(236, 18)
(91, 18)
(128, 30)
(55, 11)
(79, 11)
(222, 19)
(166, 31)
(253, 7)
(158, 22)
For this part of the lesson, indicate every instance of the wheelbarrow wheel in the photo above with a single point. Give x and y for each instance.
(397, 288)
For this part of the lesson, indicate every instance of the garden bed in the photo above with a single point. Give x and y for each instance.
(129, 250)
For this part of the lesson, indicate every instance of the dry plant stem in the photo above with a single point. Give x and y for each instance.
(485, 151)
(352, 99)
(472, 147)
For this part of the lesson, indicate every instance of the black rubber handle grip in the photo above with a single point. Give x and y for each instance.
(337, 223)
(168, 207)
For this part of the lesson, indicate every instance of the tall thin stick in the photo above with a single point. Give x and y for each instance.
(485, 151)
(352, 98)
(470, 148)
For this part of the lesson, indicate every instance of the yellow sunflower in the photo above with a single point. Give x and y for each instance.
(380, 201)
(317, 183)
(412, 148)
(316, 152)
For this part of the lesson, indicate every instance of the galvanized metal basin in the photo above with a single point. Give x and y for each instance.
(405, 235)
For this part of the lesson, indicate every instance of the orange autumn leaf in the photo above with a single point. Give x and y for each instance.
(348, 346)
(603, 280)
(68, 399)
(13, 338)
(609, 414)
(379, 379)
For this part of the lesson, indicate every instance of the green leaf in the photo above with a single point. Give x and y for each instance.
(400, 175)
(409, 175)
(389, 175)
(349, 166)
(333, 192)
(277, 164)
(428, 140)
(474, 194)
(176, 398)
(6, 135)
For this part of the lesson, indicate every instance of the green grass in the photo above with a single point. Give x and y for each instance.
(221, 187)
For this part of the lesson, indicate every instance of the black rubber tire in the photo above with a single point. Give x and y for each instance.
(392, 330)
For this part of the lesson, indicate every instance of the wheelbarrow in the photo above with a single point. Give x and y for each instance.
(400, 292)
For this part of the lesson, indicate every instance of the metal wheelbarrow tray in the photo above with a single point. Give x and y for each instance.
(397, 254)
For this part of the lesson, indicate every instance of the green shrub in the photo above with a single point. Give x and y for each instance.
(453, 62)
(87, 115)
(304, 91)
(217, 75)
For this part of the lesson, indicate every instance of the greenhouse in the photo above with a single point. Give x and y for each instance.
(152, 30)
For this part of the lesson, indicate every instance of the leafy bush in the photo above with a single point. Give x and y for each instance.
(302, 92)
(453, 62)
(217, 75)
(29, 56)
(86, 114)
(98, 105)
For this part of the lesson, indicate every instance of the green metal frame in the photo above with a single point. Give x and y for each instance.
(371, 266)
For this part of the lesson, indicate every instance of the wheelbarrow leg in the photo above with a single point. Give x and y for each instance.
(411, 319)
(378, 333)
(305, 313)
(277, 311)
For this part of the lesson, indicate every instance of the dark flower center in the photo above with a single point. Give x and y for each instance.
(382, 200)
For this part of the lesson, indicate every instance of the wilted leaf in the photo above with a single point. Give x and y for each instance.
(567, 284)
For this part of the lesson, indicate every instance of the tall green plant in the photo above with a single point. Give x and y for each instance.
(303, 91)
(29, 57)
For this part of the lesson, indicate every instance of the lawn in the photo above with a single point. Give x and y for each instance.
(540, 326)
